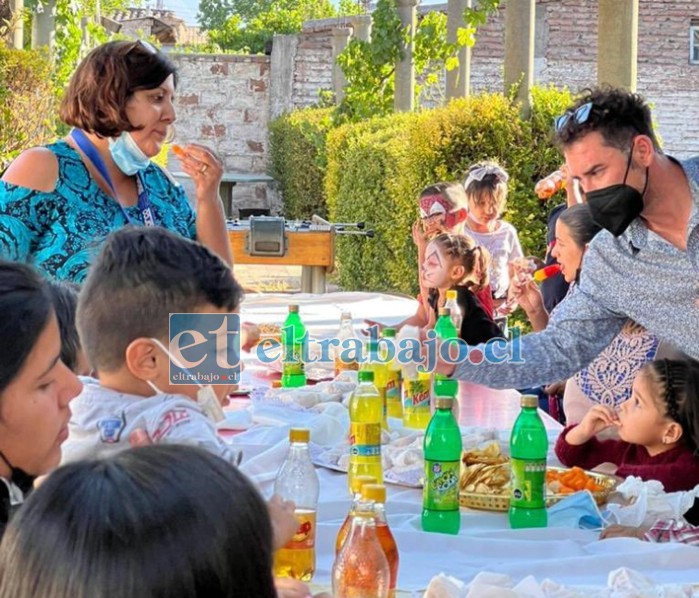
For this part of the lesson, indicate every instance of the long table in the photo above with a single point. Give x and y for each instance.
(486, 543)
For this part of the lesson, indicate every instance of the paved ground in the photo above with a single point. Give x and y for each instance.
(271, 279)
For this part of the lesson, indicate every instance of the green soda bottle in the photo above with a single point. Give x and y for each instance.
(366, 415)
(529, 446)
(293, 342)
(440, 493)
(444, 386)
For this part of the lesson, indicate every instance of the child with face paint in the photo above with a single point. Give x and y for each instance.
(486, 191)
(455, 262)
(658, 427)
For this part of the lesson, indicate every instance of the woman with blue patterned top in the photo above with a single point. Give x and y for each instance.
(58, 202)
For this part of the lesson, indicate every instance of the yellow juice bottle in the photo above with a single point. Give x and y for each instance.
(366, 415)
(394, 402)
(416, 401)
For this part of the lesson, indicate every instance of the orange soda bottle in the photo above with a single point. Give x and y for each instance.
(550, 184)
(361, 569)
(356, 487)
(298, 481)
(377, 494)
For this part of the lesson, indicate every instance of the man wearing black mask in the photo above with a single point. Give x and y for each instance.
(644, 266)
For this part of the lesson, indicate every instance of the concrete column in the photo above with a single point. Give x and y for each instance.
(44, 26)
(362, 27)
(458, 80)
(520, 19)
(17, 8)
(281, 80)
(617, 43)
(341, 36)
(404, 100)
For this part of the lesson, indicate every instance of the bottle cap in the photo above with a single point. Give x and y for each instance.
(444, 311)
(529, 401)
(389, 333)
(359, 481)
(375, 492)
(293, 309)
(443, 402)
(299, 435)
(365, 376)
(451, 294)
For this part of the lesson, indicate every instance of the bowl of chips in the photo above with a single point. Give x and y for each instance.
(270, 331)
(485, 481)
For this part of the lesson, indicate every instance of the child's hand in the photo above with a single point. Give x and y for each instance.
(372, 323)
(598, 418)
(624, 531)
(284, 522)
(419, 238)
(249, 335)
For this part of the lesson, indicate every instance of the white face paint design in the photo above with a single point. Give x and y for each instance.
(435, 268)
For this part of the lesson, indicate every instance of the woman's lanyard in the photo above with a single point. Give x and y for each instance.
(89, 149)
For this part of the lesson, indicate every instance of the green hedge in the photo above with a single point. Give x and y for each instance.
(298, 161)
(374, 170)
(28, 104)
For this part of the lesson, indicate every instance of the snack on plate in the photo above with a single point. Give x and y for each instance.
(485, 481)
(485, 471)
(270, 331)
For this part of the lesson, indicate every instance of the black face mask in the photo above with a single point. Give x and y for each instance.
(617, 206)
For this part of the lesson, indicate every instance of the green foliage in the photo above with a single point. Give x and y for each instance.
(369, 67)
(252, 27)
(374, 170)
(27, 103)
(298, 160)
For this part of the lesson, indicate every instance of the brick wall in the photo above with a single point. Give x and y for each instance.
(223, 103)
(313, 63)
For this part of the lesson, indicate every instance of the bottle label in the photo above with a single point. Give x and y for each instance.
(365, 442)
(305, 535)
(528, 483)
(293, 360)
(441, 490)
(393, 386)
(416, 395)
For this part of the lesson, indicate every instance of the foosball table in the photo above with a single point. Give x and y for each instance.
(274, 241)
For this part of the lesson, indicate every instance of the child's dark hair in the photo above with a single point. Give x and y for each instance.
(486, 183)
(452, 193)
(142, 275)
(162, 520)
(678, 383)
(474, 258)
(64, 296)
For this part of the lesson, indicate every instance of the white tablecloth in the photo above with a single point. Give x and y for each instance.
(569, 556)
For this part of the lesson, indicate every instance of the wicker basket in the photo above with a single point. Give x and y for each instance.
(501, 502)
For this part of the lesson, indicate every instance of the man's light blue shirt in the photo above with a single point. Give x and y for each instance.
(638, 275)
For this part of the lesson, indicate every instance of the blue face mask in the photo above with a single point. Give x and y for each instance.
(578, 510)
(127, 155)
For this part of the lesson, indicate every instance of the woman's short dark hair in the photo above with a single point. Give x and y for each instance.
(25, 308)
(95, 100)
(582, 227)
(64, 296)
(153, 522)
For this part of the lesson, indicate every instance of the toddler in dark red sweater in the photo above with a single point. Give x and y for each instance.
(658, 427)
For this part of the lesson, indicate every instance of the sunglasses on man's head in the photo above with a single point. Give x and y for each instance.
(580, 116)
(143, 44)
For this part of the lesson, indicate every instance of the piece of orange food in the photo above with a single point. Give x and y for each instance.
(178, 150)
(570, 481)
